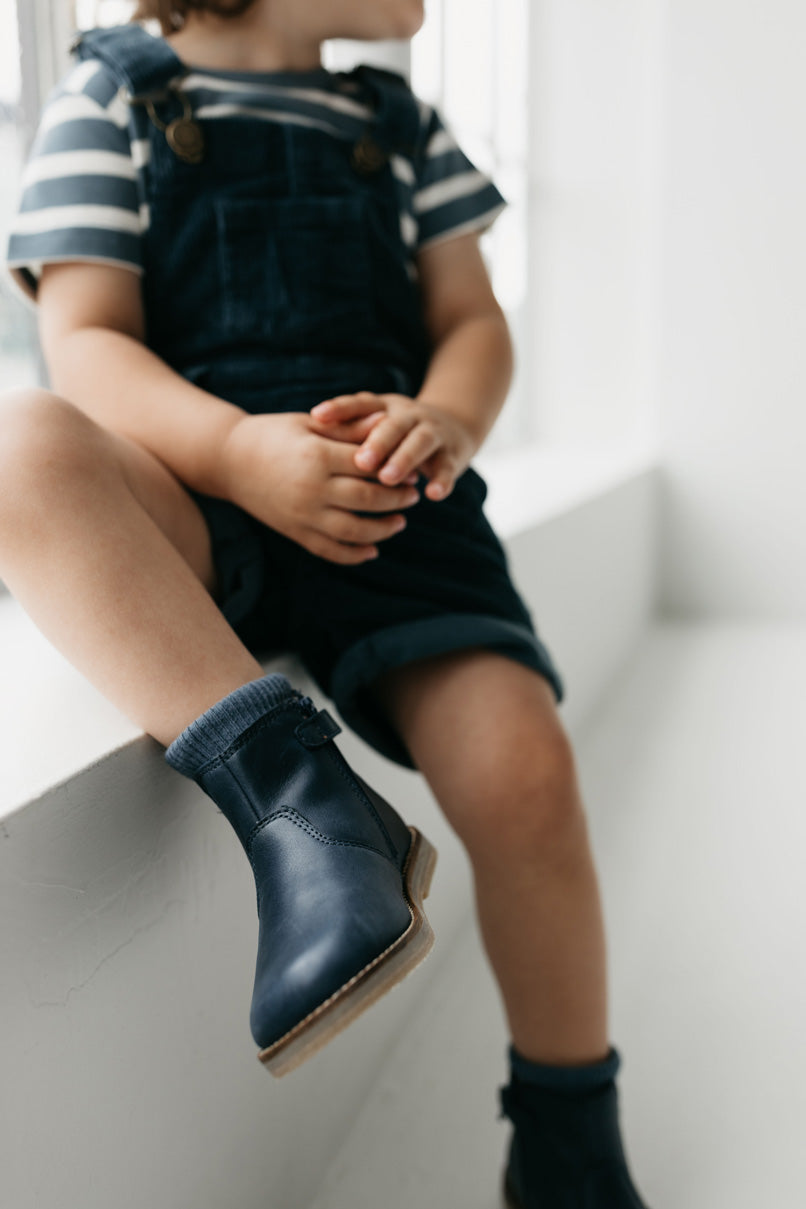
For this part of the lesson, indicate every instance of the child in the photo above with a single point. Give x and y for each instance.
(275, 350)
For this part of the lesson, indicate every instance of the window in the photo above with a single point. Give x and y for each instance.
(89, 13)
(18, 343)
(34, 38)
(470, 60)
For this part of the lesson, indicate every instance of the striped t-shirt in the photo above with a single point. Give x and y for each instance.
(82, 193)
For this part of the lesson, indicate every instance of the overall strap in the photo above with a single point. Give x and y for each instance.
(397, 120)
(141, 62)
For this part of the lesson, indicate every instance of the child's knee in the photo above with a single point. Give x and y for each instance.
(522, 804)
(43, 438)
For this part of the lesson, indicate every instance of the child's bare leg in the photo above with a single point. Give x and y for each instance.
(110, 557)
(485, 732)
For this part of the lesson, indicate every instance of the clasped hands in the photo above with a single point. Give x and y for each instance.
(351, 456)
(399, 436)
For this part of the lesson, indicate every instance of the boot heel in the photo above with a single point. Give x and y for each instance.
(382, 974)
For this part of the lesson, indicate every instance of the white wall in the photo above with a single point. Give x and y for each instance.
(733, 308)
(595, 92)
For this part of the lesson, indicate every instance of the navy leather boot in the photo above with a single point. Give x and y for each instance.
(340, 879)
(565, 1152)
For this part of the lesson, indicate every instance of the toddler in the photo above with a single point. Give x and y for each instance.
(274, 350)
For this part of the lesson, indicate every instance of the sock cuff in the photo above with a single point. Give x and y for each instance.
(220, 725)
(564, 1078)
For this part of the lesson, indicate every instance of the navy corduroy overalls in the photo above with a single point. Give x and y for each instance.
(275, 277)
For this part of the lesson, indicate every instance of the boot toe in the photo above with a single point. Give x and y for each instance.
(327, 912)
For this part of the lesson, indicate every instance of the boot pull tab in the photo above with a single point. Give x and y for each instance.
(318, 730)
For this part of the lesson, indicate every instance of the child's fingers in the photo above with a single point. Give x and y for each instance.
(421, 442)
(345, 407)
(384, 438)
(366, 495)
(342, 461)
(441, 473)
(334, 551)
(343, 525)
(354, 431)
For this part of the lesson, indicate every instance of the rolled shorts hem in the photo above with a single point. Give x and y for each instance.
(395, 646)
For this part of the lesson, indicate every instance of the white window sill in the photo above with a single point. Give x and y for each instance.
(537, 482)
(54, 723)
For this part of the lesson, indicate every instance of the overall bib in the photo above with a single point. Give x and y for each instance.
(276, 276)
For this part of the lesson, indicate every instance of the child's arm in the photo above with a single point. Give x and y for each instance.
(464, 388)
(472, 362)
(92, 328)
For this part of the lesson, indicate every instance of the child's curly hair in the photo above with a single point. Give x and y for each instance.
(171, 13)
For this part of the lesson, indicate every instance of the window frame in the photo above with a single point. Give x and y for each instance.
(45, 28)
(517, 423)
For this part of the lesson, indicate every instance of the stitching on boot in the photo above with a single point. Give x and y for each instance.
(344, 771)
(293, 816)
(330, 748)
(228, 768)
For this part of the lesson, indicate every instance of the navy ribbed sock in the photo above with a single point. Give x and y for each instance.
(220, 725)
(564, 1078)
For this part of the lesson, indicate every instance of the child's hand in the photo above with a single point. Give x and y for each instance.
(307, 487)
(408, 436)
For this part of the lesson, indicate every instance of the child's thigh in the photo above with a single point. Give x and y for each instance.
(169, 505)
(40, 428)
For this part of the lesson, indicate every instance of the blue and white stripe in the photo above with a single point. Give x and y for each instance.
(82, 194)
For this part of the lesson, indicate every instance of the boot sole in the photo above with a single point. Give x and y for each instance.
(383, 973)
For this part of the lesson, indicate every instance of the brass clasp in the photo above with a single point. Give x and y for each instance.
(183, 135)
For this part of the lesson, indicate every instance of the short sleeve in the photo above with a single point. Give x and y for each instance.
(78, 196)
(452, 196)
